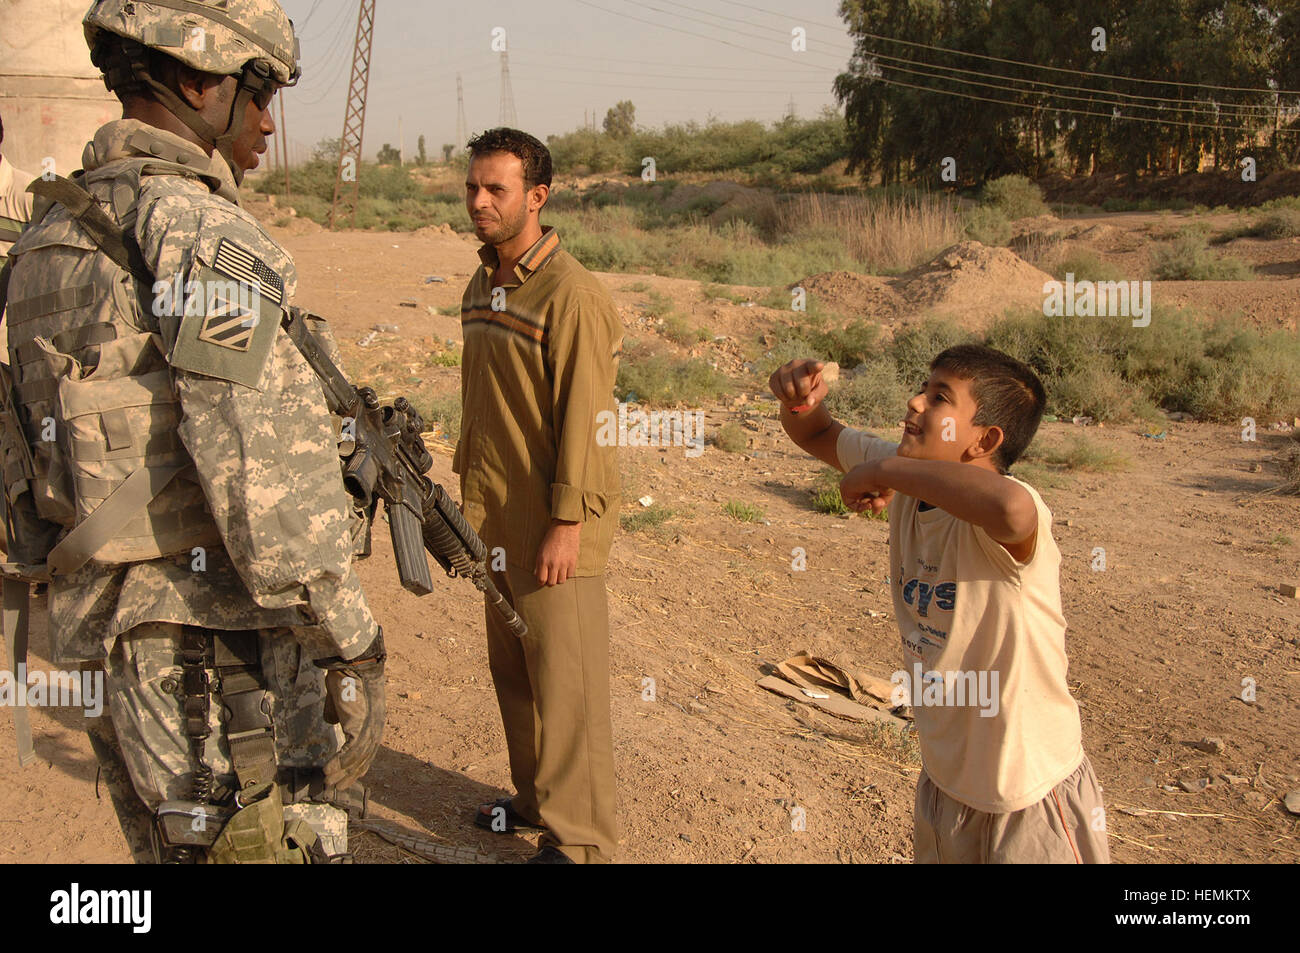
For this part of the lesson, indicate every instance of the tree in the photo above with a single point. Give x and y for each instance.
(389, 155)
(447, 149)
(422, 156)
(620, 121)
(327, 150)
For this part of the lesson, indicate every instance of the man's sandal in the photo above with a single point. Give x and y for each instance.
(500, 817)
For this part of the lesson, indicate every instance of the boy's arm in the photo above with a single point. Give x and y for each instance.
(800, 384)
(1001, 507)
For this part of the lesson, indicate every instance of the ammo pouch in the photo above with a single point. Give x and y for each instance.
(258, 833)
(116, 469)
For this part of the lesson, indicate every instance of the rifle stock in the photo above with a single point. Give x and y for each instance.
(388, 462)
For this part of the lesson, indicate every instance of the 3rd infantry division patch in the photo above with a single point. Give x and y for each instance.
(229, 324)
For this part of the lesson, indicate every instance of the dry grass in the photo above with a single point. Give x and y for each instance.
(887, 235)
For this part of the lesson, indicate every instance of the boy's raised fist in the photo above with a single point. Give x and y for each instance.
(801, 384)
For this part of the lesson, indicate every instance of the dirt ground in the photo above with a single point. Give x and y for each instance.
(1159, 642)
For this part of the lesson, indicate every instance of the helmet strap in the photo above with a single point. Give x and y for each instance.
(251, 81)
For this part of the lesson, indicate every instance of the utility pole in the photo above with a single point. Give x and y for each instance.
(401, 144)
(507, 113)
(462, 132)
(347, 187)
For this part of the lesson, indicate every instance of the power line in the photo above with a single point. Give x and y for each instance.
(1002, 76)
(1101, 100)
(310, 13)
(1011, 62)
(1099, 97)
(1070, 109)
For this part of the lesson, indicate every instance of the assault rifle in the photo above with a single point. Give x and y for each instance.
(389, 462)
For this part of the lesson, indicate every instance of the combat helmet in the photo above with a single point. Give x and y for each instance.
(251, 39)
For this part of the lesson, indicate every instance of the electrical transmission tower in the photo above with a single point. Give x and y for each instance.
(507, 116)
(347, 187)
(461, 132)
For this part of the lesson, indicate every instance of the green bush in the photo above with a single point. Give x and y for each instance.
(1087, 265)
(826, 496)
(1083, 454)
(445, 413)
(1187, 258)
(914, 347)
(666, 381)
(1014, 196)
(988, 225)
(731, 438)
(648, 518)
(744, 512)
(870, 396)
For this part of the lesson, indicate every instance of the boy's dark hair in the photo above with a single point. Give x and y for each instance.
(527, 149)
(1008, 395)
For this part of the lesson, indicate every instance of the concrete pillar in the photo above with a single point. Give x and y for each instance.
(51, 98)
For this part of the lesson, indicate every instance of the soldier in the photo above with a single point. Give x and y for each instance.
(15, 202)
(171, 463)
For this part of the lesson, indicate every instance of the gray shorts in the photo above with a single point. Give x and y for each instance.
(1068, 826)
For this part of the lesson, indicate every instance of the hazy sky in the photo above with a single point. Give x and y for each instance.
(676, 61)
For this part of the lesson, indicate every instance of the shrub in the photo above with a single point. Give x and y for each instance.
(914, 347)
(1014, 196)
(445, 413)
(988, 226)
(731, 438)
(744, 512)
(664, 380)
(646, 518)
(871, 396)
(1188, 258)
(1083, 454)
(826, 496)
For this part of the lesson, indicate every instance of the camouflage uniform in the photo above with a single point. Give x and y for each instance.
(265, 490)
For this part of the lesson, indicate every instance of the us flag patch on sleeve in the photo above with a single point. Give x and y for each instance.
(235, 261)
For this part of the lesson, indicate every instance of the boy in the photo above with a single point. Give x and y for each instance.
(976, 589)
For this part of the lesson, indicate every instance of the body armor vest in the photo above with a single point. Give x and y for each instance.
(93, 391)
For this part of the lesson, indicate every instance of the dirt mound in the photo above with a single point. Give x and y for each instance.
(720, 202)
(429, 231)
(974, 281)
(856, 296)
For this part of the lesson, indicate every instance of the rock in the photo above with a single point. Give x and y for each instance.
(697, 707)
(1194, 786)
(1235, 778)
(1211, 745)
(409, 304)
(386, 328)
(1292, 802)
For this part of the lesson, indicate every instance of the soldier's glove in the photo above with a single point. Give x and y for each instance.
(355, 701)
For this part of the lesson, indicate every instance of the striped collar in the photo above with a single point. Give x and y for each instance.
(538, 255)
